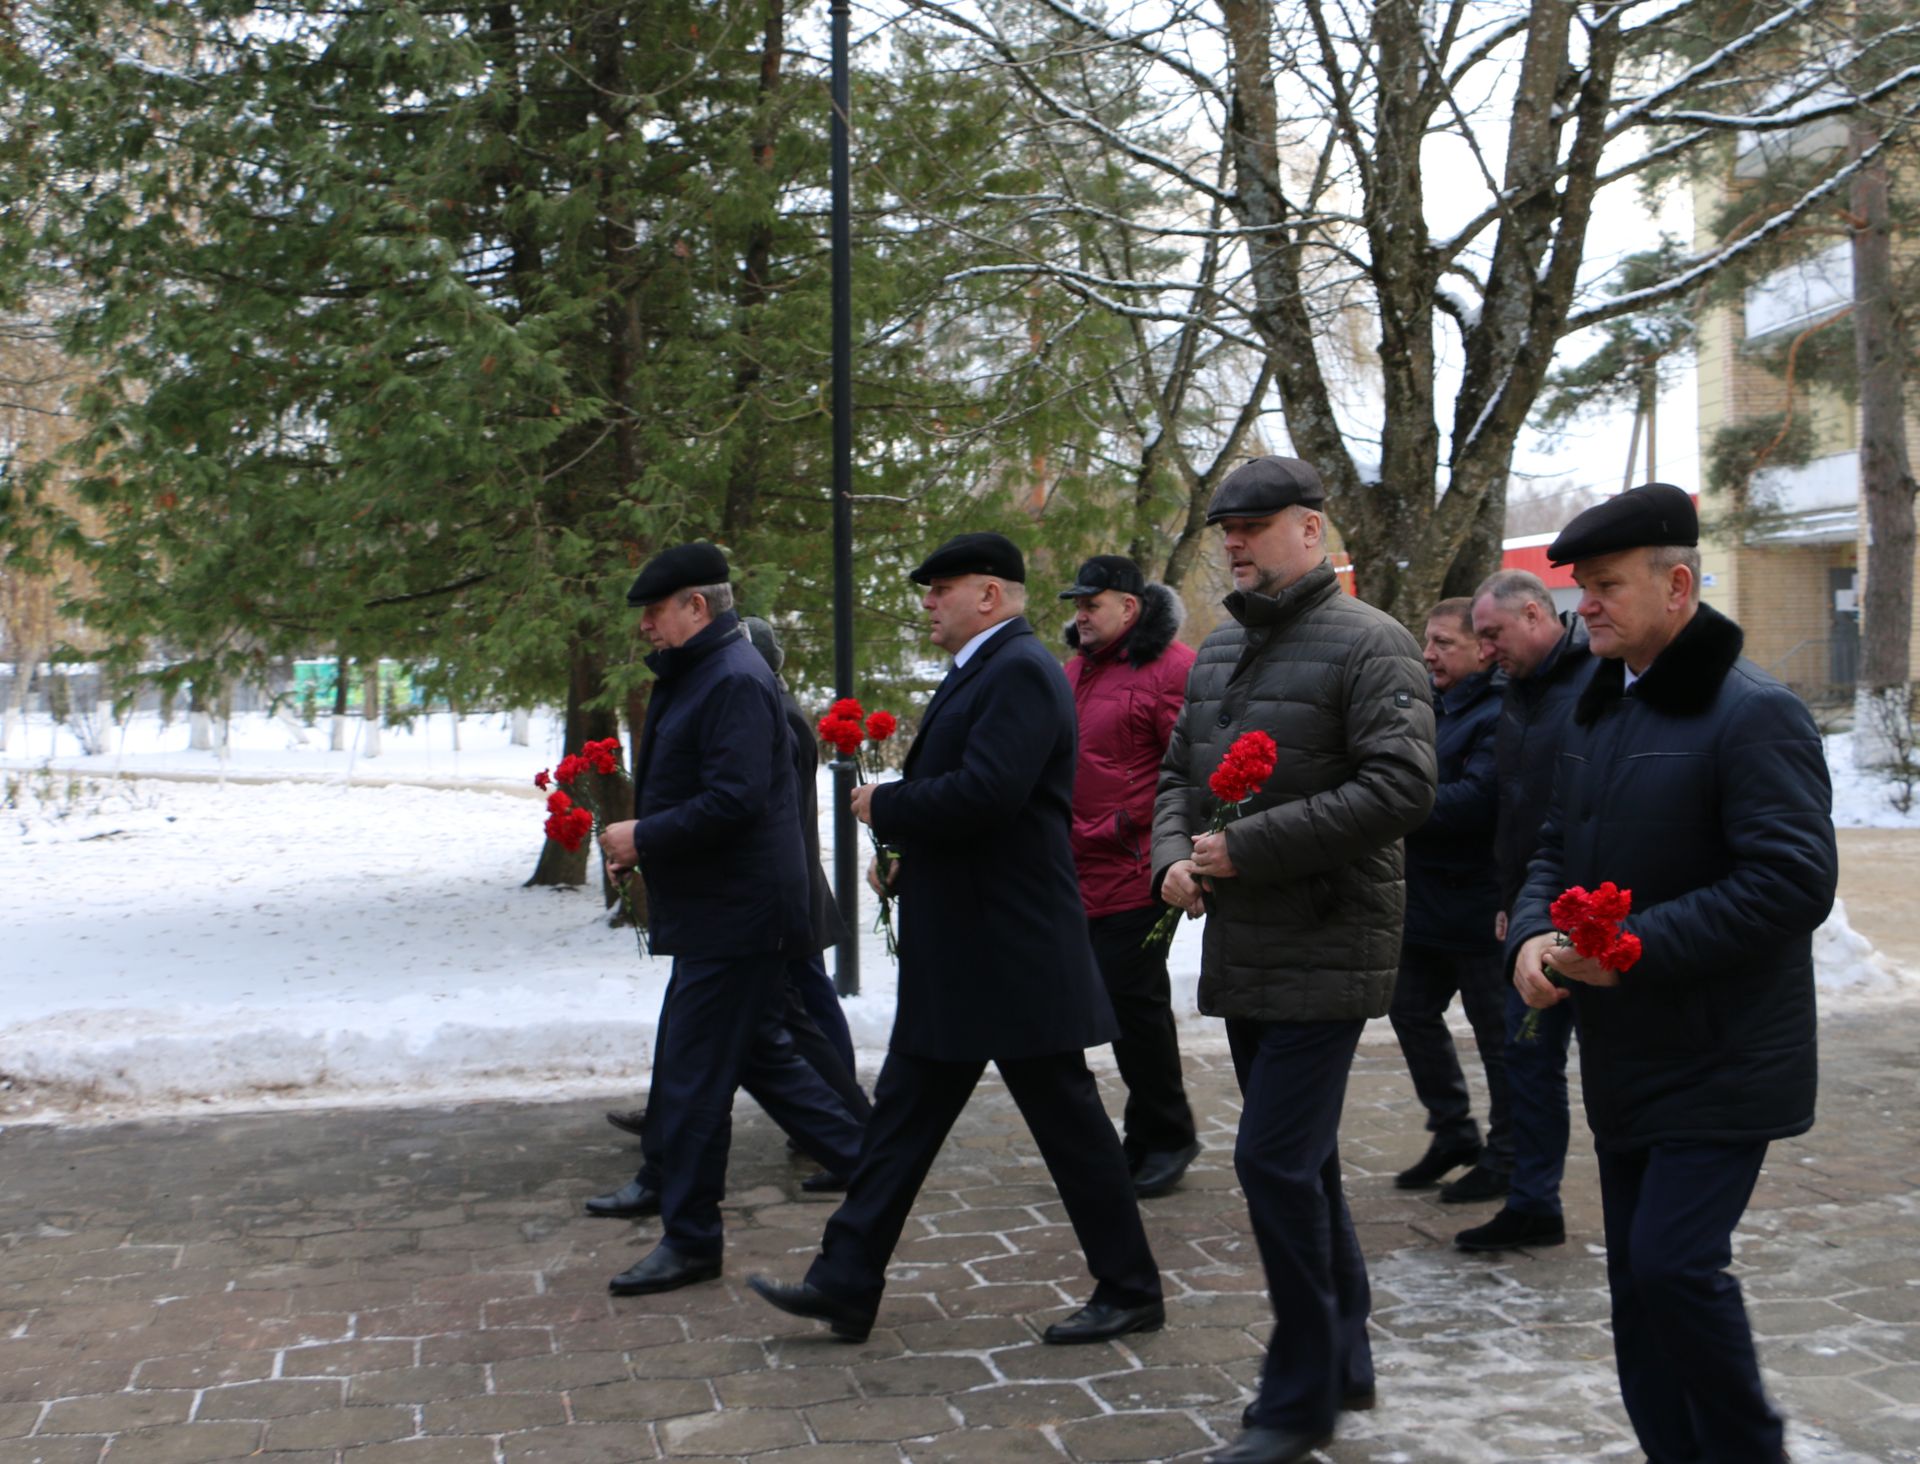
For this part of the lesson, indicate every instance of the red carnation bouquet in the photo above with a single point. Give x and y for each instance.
(1589, 922)
(570, 824)
(1242, 773)
(855, 734)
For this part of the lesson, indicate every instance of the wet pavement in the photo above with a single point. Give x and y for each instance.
(419, 1285)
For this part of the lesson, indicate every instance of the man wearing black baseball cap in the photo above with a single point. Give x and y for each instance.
(994, 960)
(1697, 782)
(716, 835)
(1128, 681)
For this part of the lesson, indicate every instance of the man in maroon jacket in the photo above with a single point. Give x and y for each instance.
(1128, 684)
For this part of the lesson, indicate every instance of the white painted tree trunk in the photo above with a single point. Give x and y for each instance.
(200, 732)
(522, 727)
(339, 739)
(370, 710)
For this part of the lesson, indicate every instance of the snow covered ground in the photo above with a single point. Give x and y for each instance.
(296, 925)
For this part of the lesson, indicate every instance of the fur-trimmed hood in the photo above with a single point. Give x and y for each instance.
(1161, 614)
(1683, 679)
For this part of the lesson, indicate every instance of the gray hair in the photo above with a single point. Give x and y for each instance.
(1512, 588)
(1663, 557)
(719, 597)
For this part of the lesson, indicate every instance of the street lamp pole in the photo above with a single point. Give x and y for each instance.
(846, 833)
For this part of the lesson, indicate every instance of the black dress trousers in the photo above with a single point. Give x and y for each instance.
(1157, 1118)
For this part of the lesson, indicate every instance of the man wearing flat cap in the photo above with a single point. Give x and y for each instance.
(1693, 779)
(716, 835)
(994, 960)
(1129, 680)
(1303, 896)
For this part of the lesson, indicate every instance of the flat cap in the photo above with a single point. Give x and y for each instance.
(1106, 572)
(993, 554)
(682, 567)
(764, 639)
(1641, 518)
(1266, 485)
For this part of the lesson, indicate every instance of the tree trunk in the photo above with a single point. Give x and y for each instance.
(522, 724)
(199, 719)
(370, 709)
(1885, 475)
(340, 669)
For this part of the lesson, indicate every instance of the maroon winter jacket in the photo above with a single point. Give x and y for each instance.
(1126, 697)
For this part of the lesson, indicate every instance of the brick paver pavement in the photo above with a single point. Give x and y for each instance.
(420, 1287)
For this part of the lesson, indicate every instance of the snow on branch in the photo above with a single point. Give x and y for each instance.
(1703, 267)
(1138, 41)
(1814, 107)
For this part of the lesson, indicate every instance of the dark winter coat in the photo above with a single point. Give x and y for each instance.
(828, 928)
(994, 956)
(1126, 697)
(1452, 896)
(1704, 791)
(1309, 929)
(718, 827)
(1534, 715)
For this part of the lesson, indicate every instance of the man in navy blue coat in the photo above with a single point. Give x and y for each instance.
(1694, 779)
(716, 835)
(1449, 946)
(995, 962)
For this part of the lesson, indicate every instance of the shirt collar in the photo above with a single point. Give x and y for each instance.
(965, 653)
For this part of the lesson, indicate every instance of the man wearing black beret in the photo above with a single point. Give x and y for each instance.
(1695, 780)
(716, 835)
(995, 964)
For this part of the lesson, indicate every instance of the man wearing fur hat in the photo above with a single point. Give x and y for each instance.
(1129, 680)
(1695, 780)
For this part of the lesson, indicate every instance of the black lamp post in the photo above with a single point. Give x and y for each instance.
(846, 834)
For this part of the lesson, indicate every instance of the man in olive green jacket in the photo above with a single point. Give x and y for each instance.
(1303, 894)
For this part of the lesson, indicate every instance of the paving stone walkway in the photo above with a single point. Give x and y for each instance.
(420, 1287)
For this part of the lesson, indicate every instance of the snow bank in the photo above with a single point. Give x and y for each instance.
(233, 943)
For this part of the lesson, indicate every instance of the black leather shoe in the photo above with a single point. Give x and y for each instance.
(629, 1120)
(1477, 1184)
(1157, 1174)
(1270, 1446)
(632, 1199)
(1512, 1230)
(824, 1183)
(1358, 1400)
(848, 1322)
(661, 1269)
(1097, 1322)
(1438, 1160)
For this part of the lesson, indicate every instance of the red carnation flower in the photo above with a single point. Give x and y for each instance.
(847, 709)
(569, 768)
(541, 779)
(841, 733)
(881, 725)
(558, 802)
(603, 756)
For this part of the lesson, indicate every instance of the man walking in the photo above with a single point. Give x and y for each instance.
(716, 835)
(1450, 946)
(1303, 895)
(1129, 680)
(994, 960)
(1545, 659)
(1694, 779)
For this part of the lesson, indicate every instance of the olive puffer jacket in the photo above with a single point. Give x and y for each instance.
(1309, 928)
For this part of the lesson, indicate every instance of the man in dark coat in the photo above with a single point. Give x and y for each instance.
(827, 1049)
(716, 835)
(1304, 897)
(994, 960)
(1545, 660)
(1129, 681)
(1698, 782)
(1450, 946)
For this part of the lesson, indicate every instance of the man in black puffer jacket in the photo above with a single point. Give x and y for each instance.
(1304, 896)
(1698, 782)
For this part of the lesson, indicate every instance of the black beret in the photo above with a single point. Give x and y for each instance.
(1641, 518)
(683, 567)
(1266, 485)
(993, 554)
(1106, 572)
